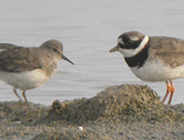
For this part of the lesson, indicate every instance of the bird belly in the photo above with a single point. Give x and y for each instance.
(25, 80)
(158, 71)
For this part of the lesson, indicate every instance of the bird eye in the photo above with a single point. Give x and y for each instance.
(55, 50)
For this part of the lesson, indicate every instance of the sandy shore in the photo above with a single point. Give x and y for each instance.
(119, 112)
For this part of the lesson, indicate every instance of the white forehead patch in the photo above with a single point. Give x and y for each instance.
(121, 41)
(133, 52)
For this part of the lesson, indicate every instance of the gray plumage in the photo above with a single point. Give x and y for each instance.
(169, 50)
(19, 59)
(29, 67)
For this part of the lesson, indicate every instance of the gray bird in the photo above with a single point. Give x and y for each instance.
(29, 67)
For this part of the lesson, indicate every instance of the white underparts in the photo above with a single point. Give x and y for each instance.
(25, 80)
(155, 70)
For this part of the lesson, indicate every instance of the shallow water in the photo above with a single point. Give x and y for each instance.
(88, 29)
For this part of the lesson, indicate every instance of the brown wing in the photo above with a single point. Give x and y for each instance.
(17, 59)
(169, 50)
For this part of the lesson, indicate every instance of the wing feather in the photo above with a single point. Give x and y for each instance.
(169, 50)
(17, 59)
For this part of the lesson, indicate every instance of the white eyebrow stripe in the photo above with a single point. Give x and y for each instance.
(134, 38)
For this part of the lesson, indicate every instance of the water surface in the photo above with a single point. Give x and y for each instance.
(88, 29)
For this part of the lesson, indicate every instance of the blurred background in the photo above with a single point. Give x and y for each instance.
(88, 30)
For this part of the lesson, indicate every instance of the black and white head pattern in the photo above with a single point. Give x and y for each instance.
(133, 46)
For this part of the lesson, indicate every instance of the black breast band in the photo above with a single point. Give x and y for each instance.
(139, 59)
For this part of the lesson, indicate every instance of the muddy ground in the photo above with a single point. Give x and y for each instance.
(119, 112)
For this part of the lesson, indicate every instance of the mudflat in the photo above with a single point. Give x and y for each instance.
(118, 112)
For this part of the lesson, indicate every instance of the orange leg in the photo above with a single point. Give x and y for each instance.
(172, 92)
(169, 88)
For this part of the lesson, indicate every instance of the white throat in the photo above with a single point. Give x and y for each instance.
(132, 52)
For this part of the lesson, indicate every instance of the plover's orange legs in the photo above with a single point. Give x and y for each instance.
(168, 91)
(172, 92)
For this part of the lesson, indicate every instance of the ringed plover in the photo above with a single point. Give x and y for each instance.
(154, 58)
